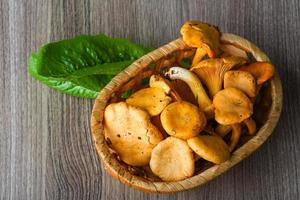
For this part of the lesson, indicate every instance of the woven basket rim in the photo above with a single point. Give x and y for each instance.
(119, 172)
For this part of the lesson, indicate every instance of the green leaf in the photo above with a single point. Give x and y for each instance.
(127, 94)
(82, 66)
(145, 81)
(186, 63)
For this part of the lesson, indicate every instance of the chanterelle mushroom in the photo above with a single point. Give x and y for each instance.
(211, 71)
(211, 148)
(232, 106)
(172, 160)
(152, 99)
(262, 71)
(130, 133)
(156, 81)
(203, 36)
(235, 136)
(194, 83)
(222, 130)
(182, 120)
(241, 80)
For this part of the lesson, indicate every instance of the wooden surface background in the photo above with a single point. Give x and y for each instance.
(46, 150)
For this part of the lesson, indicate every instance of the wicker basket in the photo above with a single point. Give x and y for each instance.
(170, 54)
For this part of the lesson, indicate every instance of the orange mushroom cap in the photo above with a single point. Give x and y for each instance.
(241, 80)
(232, 106)
(262, 71)
(202, 35)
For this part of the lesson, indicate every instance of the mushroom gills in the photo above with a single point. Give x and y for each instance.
(241, 80)
(211, 71)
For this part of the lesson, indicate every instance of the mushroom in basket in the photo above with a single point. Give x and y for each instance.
(183, 129)
(232, 107)
(130, 133)
(205, 37)
(204, 102)
(211, 71)
(172, 160)
(152, 99)
(248, 79)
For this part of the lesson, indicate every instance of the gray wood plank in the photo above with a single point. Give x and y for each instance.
(46, 150)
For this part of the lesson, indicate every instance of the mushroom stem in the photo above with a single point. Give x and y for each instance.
(175, 96)
(200, 53)
(223, 130)
(253, 99)
(194, 83)
(235, 136)
(251, 125)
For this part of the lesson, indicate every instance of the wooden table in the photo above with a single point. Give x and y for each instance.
(46, 150)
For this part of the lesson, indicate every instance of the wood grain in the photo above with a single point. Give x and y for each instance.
(46, 149)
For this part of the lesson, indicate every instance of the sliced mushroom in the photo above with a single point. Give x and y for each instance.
(153, 100)
(241, 80)
(211, 71)
(194, 83)
(203, 36)
(182, 120)
(232, 106)
(211, 148)
(262, 71)
(172, 160)
(131, 133)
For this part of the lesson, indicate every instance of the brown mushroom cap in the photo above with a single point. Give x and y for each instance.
(241, 80)
(172, 160)
(130, 133)
(232, 106)
(153, 100)
(211, 71)
(201, 35)
(262, 71)
(182, 120)
(211, 148)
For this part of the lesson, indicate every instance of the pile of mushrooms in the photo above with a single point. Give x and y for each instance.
(225, 87)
